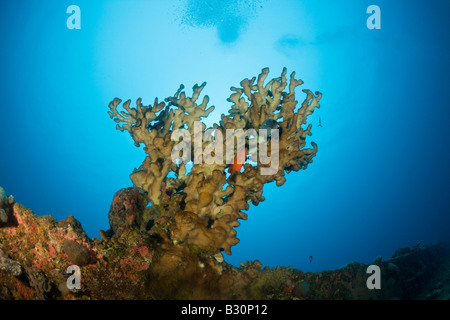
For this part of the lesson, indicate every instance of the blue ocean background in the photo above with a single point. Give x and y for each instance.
(381, 178)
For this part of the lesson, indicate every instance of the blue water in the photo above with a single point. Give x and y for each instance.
(380, 180)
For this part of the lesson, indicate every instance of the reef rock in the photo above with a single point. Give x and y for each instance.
(5, 203)
(36, 252)
(78, 254)
(9, 265)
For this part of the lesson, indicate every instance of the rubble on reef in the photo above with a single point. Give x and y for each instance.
(169, 231)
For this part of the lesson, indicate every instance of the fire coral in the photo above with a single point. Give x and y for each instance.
(203, 206)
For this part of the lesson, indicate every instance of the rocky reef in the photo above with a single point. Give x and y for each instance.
(36, 252)
(169, 231)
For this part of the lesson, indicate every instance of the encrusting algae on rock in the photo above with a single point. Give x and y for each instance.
(169, 230)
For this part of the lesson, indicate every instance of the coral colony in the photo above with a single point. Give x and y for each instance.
(205, 204)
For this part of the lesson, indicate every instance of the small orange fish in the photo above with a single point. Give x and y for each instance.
(310, 259)
(237, 166)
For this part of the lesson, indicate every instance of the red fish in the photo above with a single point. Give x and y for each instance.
(235, 166)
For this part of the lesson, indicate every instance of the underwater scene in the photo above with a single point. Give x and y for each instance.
(224, 150)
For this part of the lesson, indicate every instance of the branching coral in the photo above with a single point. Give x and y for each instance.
(212, 201)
